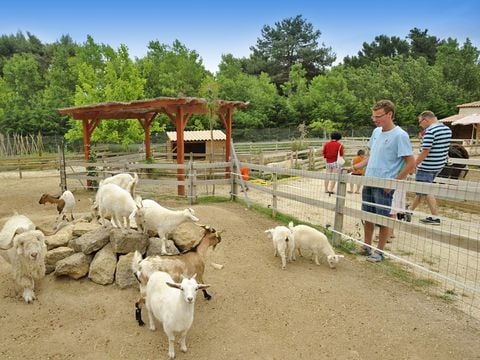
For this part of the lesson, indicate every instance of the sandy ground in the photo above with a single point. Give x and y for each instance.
(258, 311)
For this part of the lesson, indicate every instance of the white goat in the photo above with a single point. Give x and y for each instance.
(65, 205)
(162, 221)
(27, 257)
(16, 224)
(124, 180)
(173, 305)
(115, 202)
(283, 243)
(177, 266)
(309, 238)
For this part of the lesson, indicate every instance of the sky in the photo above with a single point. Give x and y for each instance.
(213, 28)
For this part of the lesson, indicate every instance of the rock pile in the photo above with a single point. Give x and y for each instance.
(104, 254)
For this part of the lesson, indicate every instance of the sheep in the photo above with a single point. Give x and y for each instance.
(114, 201)
(161, 221)
(65, 204)
(283, 243)
(185, 264)
(173, 304)
(16, 224)
(27, 257)
(124, 180)
(307, 237)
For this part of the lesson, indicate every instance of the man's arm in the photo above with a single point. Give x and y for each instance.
(408, 168)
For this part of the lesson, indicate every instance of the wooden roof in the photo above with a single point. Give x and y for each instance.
(470, 105)
(141, 109)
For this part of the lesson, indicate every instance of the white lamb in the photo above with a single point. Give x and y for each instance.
(283, 243)
(27, 257)
(16, 224)
(309, 238)
(173, 305)
(115, 202)
(162, 221)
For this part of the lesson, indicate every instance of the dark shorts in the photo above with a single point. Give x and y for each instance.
(378, 196)
(425, 176)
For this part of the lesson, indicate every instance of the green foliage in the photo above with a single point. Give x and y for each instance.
(291, 41)
(287, 80)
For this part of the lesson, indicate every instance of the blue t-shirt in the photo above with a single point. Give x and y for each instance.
(387, 149)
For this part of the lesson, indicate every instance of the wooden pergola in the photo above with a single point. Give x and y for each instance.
(179, 110)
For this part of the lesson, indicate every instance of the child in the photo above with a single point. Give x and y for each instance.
(359, 172)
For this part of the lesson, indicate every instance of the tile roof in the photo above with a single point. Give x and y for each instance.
(452, 118)
(201, 135)
(470, 105)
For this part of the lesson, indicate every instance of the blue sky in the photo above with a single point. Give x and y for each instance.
(213, 28)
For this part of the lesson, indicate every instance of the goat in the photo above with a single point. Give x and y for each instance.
(173, 304)
(283, 243)
(65, 204)
(27, 257)
(185, 264)
(124, 180)
(307, 237)
(16, 224)
(161, 221)
(114, 201)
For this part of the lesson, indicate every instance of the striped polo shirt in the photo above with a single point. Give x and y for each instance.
(437, 138)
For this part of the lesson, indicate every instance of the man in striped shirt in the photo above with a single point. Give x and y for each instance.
(431, 160)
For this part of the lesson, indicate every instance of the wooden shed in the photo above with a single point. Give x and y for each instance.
(199, 143)
(468, 132)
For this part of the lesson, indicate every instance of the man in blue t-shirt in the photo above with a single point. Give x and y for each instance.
(431, 160)
(391, 157)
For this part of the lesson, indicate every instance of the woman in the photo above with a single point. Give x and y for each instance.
(331, 150)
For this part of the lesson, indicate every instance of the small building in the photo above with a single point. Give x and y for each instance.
(469, 131)
(199, 143)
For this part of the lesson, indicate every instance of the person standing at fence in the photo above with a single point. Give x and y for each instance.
(331, 150)
(431, 160)
(355, 188)
(391, 157)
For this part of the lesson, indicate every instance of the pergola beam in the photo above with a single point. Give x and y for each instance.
(179, 110)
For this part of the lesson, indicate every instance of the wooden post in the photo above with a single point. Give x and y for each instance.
(339, 208)
(274, 194)
(192, 178)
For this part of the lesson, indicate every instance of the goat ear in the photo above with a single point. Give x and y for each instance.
(194, 276)
(174, 285)
(202, 286)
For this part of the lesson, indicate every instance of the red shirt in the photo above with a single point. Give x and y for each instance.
(330, 150)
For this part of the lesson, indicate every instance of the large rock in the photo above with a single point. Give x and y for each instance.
(102, 268)
(126, 241)
(124, 276)
(155, 247)
(91, 241)
(55, 255)
(74, 266)
(61, 238)
(82, 227)
(186, 235)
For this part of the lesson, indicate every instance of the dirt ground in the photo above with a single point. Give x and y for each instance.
(258, 310)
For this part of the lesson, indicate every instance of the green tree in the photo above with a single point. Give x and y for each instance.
(383, 46)
(423, 45)
(171, 70)
(291, 41)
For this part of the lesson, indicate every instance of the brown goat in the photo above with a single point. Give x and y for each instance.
(52, 199)
(188, 263)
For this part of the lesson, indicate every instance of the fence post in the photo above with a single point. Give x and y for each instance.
(61, 161)
(20, 169)
(192, 179)
(274, 194)
(234, 183)
(339, 208)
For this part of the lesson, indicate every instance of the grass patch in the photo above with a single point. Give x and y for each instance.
(347, 246)
(398, 271)
(210, 199)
